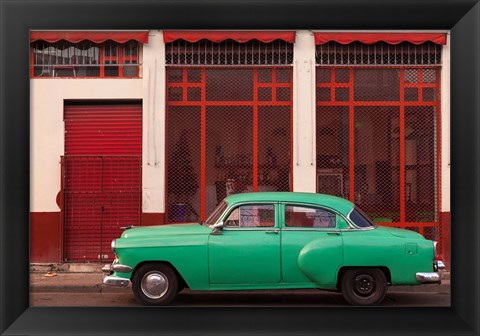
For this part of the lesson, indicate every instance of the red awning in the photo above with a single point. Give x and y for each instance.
(220, 36)
(94, 36)
(390, 38)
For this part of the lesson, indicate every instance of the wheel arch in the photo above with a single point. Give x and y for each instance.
(344, 269)
(181, 281)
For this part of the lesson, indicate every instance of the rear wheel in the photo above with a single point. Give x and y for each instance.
(364, 286)
(155, 284)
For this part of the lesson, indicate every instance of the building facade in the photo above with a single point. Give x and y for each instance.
(155, 127)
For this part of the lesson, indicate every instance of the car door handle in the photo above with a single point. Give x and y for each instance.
(272, 231)
(336, 233)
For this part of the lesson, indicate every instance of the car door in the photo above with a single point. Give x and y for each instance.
(247, 250)
(312, 242)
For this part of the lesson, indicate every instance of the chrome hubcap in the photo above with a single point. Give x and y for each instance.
(364, 285)
(154, 284)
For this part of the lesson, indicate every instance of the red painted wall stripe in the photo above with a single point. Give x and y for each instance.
(45, 237)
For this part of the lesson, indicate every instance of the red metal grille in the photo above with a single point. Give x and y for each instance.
(229, 131)
(378, 136)
(102, 194)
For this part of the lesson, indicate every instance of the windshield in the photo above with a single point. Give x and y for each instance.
(212, 219)
(360, 219)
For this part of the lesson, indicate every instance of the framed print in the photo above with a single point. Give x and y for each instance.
(460, 19)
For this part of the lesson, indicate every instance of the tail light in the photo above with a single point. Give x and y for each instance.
(435, 252)
(438, 265)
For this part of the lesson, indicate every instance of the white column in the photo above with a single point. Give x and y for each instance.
(304, 141)
(154, 124)
(445, 125)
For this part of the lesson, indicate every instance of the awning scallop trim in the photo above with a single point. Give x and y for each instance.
(220, 36)
(371, 38)
(94, 36)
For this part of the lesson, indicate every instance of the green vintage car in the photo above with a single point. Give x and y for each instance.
(276, 240)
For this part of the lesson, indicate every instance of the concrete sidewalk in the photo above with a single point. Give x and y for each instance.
(65, 282)
(87, 278)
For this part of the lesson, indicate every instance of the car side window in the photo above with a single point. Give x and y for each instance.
(302, 216)
(262, 215)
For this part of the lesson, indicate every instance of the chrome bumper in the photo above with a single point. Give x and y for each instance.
(111, 280)
(115, 281)
(432, 277)
(116, 267)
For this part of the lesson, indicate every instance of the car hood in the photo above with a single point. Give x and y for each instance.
(167, 230)
(402, 233)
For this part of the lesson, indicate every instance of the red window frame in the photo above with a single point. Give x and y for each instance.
(402, 104)
(132, 59)
(184, 85)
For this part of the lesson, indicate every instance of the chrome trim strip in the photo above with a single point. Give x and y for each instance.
(115, 281)
(428, 277)
(356, 228)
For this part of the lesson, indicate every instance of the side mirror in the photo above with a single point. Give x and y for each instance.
(217, 228)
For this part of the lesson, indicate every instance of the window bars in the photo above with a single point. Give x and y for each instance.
(207, 53)
(379, 54)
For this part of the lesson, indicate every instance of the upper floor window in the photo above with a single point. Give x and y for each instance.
(85, 59)
(86, 54)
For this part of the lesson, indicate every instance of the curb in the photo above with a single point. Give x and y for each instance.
(67, 267)
(79, 289)
(69, 282)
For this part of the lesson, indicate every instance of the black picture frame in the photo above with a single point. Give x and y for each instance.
(17, 17)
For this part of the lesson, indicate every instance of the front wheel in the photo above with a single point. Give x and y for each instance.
(155, 284)
(364, 286)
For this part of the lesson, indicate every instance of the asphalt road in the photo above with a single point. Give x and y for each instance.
(310, 298)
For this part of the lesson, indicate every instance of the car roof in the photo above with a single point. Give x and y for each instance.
(340, 204)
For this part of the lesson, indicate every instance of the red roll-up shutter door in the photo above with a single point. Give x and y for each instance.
(102, 177)
(103, 130)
